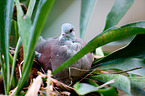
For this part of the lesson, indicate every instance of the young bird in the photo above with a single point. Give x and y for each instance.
(52, 52)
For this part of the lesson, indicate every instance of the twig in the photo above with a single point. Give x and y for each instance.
(70, 77)
(89, 74)
(95, 65)
(127, 70)
(48, 91)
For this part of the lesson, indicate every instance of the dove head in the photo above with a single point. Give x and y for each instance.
(67, 32)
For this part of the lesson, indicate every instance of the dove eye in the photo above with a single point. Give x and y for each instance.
(70, 30)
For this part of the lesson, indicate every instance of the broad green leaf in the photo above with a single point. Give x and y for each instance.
(137, 91)
(86, 10)
(24, 24)
(118, 10)
(132, 56)
(5, 28)
(100, 40)
(111, 91)
(34, 29)
(135, 24)
(121, 82)
(137, 81)
(84, 88)
(91, 82)
(38, 24)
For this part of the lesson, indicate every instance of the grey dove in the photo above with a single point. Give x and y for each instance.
(52, 52)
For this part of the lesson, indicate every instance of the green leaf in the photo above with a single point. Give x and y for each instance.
(129, 57)
(24, 24)
(86, 10)
(135, 24)
(91, 82)
(33, 32)
(111, 91)
(100, 40)
(14, 59)
(5, 28)
(132, 56)
(137, 91)
(137, 81)
(121, 82)
(84, 88)
(118, 10)
(31, 8)
(38, 24)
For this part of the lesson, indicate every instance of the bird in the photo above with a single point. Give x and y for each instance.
(53, 52)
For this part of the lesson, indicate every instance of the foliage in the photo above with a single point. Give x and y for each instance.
(5, 25)
(126, 60)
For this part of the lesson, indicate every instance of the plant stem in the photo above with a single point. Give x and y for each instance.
(14, 59)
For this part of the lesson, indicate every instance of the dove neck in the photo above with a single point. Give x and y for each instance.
(62, 38)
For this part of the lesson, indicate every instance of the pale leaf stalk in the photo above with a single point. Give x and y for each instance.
(109, 82)
(48, 83)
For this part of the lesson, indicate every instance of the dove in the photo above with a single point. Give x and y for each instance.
(53, 52)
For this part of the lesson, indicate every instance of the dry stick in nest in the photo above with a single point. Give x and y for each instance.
(89, 74)
(48, 91)
(127, 70)
(52, 81)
